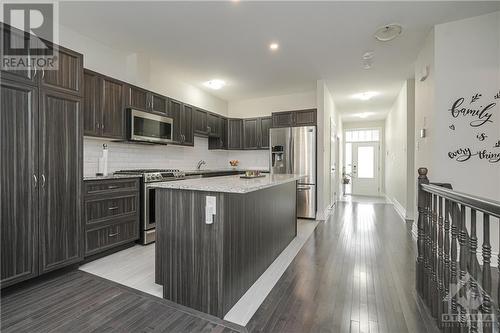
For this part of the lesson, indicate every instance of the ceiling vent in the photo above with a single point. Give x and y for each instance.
(388, 32)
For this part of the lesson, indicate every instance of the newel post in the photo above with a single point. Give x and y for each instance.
(422, 206)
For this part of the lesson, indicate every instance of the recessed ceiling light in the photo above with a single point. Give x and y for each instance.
(365, 96)
(363, 115)
(274, 46)
(214, 84)
(388, 32)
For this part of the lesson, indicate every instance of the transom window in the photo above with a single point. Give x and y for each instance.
(362, 135)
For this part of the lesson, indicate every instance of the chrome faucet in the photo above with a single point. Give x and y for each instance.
(200, 163)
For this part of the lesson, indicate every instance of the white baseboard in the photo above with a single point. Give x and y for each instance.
(397, 206)
(324, 215)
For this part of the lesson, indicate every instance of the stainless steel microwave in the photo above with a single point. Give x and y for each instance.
(148, 127)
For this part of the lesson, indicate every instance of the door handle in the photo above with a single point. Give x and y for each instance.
(43, 73)
(112, 187)
(113, 208)
(43, 181)
(113, 234)
(35, 181)
(303, 188)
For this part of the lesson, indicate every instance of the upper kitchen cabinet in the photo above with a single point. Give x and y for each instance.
(174, 112)
(104, 111)
(19, 182)
(68, 78)
(251, 127)
(305, 117)
(235, 134)
(213, 125)
(187, 125)
(158, 104)
(294, 118)
(182, 116)
(219, 142)
(60, 176)
(17, 39)
(200, 126)
(265, 124)
(137, 98)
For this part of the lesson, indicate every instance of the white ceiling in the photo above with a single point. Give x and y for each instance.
(229, 40)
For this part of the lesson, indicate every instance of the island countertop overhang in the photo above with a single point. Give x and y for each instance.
(229, 184)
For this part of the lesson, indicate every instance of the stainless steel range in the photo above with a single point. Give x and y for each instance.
(150, 177)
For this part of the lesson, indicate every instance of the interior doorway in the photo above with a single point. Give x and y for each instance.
(362, 171)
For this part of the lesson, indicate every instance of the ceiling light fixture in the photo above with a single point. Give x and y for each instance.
(364, 115)
(274, 46)
(365, 96)
(214, 84)
(388, 32)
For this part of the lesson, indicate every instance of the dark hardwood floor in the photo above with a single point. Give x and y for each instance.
(82, 302)
(356, 273)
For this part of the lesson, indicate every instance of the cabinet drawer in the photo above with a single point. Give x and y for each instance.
(111, 186)
(104, 238)
(99, 209)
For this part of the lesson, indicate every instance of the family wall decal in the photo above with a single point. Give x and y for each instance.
(476, 114)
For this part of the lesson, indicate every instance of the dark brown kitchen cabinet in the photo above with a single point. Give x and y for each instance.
(305, 117)
(104, 111)
(19, 182)
(200, 126)
(187, 125)
(250, 133)
(137, 98)
(219, 142)
(265, 124)
(174, 112)
(17, 39)
(214, 125)
(111, 213)
(60, 148)
(235, 134)
(159, 104)
(68, 78)
(294, 118)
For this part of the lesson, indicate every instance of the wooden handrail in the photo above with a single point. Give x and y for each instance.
(490, 207)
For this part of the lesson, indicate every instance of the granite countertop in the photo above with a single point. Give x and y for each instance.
(110, 176)
(229, 184)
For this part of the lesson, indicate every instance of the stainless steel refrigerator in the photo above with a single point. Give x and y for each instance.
(293, 150)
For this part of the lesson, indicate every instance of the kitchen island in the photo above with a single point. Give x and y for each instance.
(207, 259)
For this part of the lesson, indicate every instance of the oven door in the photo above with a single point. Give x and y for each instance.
(149, 203)
(147, 127)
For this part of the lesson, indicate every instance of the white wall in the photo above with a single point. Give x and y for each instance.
(326, 113)
(399, 151)
(261, 107)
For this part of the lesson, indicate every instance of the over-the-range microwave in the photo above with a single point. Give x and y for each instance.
(148, 127)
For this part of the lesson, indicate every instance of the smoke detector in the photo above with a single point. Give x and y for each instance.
(388, 32)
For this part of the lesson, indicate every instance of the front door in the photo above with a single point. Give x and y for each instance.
(365, 168)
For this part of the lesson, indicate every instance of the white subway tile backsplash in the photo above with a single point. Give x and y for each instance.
(124, 155)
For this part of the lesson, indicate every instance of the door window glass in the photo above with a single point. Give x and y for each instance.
(366, 161)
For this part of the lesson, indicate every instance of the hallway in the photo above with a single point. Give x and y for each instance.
(356, 273)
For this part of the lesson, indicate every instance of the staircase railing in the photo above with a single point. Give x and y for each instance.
(450, 278)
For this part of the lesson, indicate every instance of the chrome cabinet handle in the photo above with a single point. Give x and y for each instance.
(43, 181)
(111, 187)
(113, 234)
(113, 208)
(43, 73)
(35, 181)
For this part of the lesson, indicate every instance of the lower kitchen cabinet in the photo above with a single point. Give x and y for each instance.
(111, 213)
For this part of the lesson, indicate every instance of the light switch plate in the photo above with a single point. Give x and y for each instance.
(210, 209)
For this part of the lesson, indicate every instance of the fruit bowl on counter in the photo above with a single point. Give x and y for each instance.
(234, 163)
